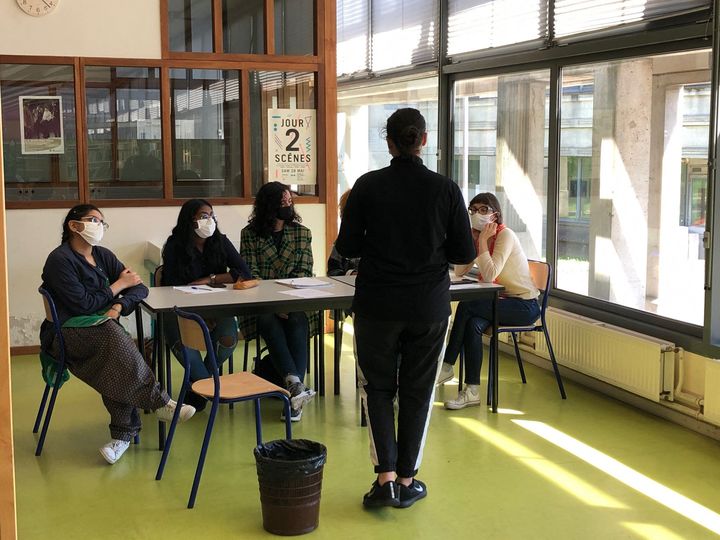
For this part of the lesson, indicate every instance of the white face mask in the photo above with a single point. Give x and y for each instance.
(205, 227)
(478, 221)
(92, 233)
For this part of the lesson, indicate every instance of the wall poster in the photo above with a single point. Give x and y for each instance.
(291, 146)
(41, 125)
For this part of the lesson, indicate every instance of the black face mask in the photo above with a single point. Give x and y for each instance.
(285, 213)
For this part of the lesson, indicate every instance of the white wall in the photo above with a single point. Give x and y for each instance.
(91, 28)
(32, 234)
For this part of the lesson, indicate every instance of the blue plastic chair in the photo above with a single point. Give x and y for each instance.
(50, 315)
(231, 388)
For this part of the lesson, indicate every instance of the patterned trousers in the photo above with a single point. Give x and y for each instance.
(106, 358)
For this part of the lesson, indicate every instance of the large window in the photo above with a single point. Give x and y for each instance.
(207, 143)
(379, 35)
(124, 140)
(362, 114)
(633, 182)
(39, 132)
(500, 146)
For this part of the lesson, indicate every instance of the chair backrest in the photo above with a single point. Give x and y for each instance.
(194, 334)
(158, 276)
(51, 315)
(540, 272)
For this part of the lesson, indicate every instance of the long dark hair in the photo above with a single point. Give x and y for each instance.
(76, 213)
(490, 200)
(184, 235)
(405, 128)
(265, 207)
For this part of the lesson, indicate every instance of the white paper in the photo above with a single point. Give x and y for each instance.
(466, 286)
(302, 282)
(307, 293)
(197, 289)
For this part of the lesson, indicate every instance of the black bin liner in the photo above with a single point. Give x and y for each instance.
(276, 460)
(290, 477)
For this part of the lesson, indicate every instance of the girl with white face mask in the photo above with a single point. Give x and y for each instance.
(91, 289)
(500, 259)
(197, 253)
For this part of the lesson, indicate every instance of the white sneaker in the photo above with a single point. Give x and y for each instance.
(446, 373)
(299, 394)
(114, 450)
(165, 414)
(467, 397)
(295, 414)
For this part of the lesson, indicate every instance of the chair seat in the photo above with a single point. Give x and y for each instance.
(236, 386)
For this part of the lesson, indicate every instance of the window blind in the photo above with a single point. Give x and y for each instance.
(404, 33)
(475, 25)
(353, 25)
(579, 16)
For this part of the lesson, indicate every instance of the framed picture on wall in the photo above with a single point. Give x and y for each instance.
(41, 125)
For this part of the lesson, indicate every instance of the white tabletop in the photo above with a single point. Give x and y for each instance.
(461, 291)
(267, 297)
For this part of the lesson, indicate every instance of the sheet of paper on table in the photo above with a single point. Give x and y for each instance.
(303, 282)
(308, 293)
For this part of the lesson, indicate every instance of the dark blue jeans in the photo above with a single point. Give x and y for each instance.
(472, 318)
(224, 327)
(287, 342)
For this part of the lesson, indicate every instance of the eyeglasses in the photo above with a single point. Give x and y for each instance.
(93, 219)
(481, 209)
(206, 216)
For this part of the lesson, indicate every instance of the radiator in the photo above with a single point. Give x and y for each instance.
(712, 396)
(634, 362)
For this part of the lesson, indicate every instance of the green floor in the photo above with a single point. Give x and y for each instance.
(585, 468)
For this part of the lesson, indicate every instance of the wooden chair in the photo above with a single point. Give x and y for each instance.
(231, 388)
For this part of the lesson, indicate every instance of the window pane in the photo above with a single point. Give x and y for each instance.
(39, 132)
(294, 27)
(207, 141)
(124, 132)
(500, 142)
(352, 36)
(577, 16)
(404, 33)
(191, 25)
(362, 114)
(634, 137)
(243, 26)
(279, 90)
(475, 25)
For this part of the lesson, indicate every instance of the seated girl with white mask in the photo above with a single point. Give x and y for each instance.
(500, 259)
(91, 289)
(197, 253)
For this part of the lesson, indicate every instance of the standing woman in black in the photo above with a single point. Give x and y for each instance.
(407, 223)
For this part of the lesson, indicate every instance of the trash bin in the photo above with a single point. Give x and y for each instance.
(290, 478)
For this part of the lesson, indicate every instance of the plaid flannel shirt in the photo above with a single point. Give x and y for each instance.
(293, 259)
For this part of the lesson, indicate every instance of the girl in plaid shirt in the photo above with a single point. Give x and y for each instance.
(275, 246)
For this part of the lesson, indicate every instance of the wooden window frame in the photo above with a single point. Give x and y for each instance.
(322, 64)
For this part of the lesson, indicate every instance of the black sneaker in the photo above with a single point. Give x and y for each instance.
(407, 495)
(197, 401)
(385, 495)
